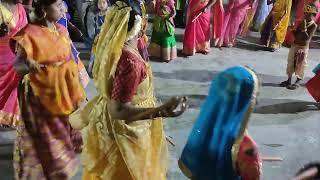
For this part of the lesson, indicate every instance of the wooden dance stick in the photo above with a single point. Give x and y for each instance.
(266, 158)
(170, 141)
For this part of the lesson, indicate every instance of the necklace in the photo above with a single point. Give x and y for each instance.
(133, 50)
(51, 28)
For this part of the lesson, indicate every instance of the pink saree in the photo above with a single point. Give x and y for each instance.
(218, 20)
(197, 32)
(234, 16)
(247, 22)
(9, 79)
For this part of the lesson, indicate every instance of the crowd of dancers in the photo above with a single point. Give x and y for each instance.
(120, 131)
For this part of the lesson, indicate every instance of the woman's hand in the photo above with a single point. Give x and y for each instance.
(205, 9)
(174, 107)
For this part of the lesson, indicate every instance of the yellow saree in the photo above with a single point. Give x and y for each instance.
(113, 149)
(281, 15)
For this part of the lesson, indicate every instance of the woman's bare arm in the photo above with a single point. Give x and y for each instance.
(20, 64)
(130, 113)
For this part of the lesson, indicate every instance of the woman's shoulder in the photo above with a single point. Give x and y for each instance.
(20, 6)
(61, 28)
(29, 29)
(130, 60)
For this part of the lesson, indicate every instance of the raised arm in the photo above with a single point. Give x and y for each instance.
(130, 113)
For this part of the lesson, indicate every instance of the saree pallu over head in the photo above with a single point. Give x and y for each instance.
(57, 84)
(213, 145)
(109, 47)
(114, 149)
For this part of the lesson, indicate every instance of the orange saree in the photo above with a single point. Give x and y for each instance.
(44, 147)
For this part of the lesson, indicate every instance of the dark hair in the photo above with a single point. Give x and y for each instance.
(4, 29)
(136, 10)
(40, 5)
(309, 166)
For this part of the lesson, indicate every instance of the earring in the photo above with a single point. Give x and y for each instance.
(44, 15)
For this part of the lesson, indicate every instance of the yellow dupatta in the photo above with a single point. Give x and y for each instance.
(113, 149)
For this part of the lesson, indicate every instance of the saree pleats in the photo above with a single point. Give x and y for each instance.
(9, 79)
(197, 32)
(114, 149)
(275, 27)
(43, 147)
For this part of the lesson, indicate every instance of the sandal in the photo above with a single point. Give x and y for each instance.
(293, 86)
(285, 84)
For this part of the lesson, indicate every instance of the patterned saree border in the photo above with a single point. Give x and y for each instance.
(184, 169)
(199, 48)
(243, 129)
(8, 119)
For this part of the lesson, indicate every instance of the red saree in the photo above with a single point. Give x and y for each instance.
(313, 86)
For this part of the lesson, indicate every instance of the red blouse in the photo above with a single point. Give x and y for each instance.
(131, 71)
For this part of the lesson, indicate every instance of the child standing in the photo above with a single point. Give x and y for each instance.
(99, 19)
(163, 42)
(297, 58)
(65, 21)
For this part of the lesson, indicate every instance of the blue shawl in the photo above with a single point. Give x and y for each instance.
(222, 121)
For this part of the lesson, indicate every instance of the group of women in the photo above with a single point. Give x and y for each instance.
(122, 127)
(270, 17)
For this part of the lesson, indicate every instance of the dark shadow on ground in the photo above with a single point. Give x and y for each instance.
(284, 106)
(157, 59)
(208, 76)
(188, 75)
(264, 106)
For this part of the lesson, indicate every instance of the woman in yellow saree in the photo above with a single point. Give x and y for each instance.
(275, 27)
(122, 129)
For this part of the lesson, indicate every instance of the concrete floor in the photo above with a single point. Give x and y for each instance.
(285, 123)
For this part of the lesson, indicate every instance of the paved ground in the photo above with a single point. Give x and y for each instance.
(285, 124)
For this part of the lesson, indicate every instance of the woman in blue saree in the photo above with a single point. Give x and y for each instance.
(218, 147)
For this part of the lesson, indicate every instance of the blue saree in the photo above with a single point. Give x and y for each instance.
(221, 124)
